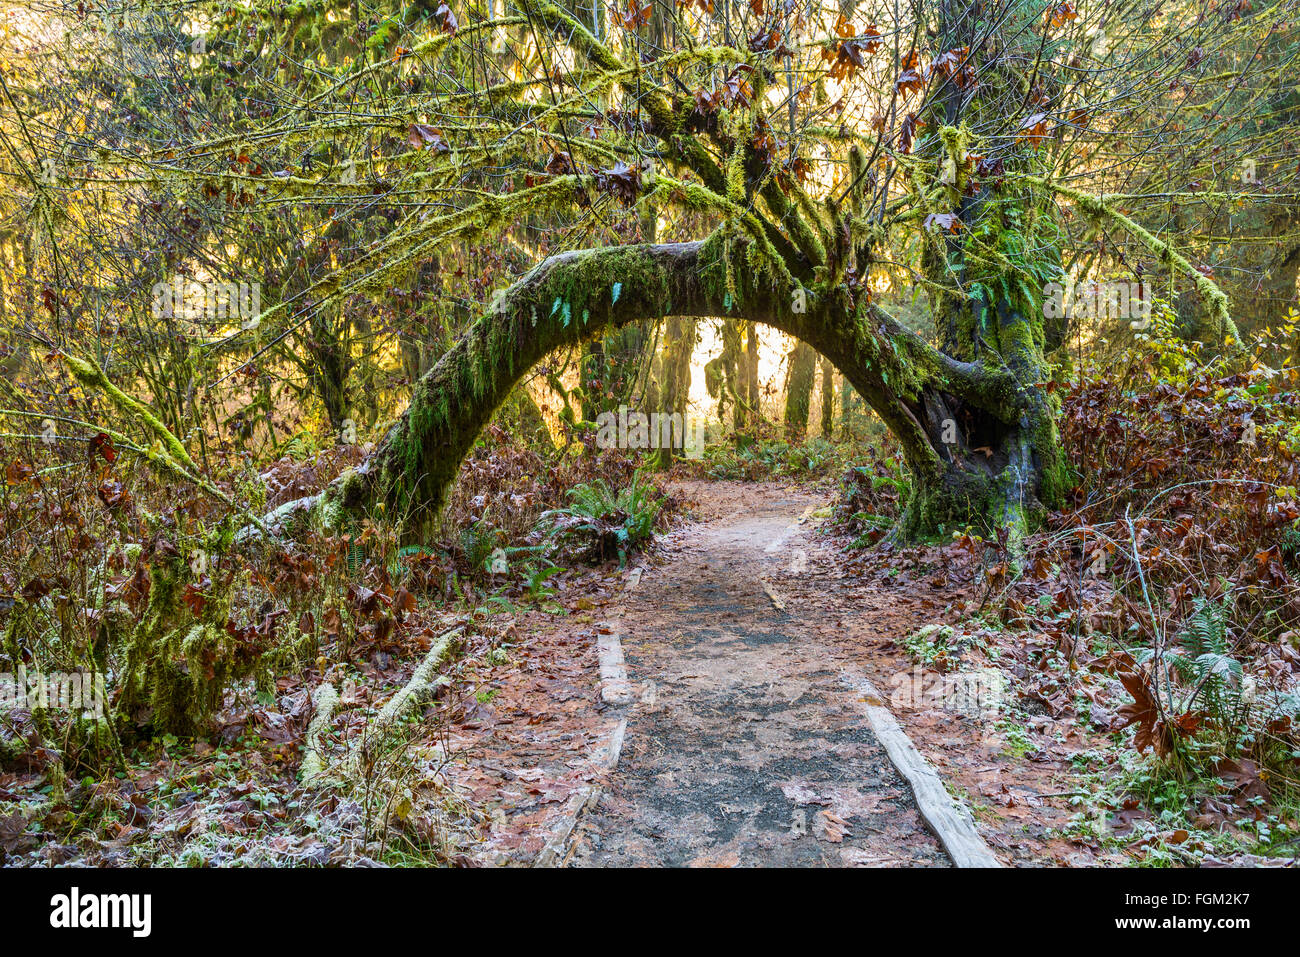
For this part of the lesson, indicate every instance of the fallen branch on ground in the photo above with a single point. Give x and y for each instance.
(325, 699)
(422, 684)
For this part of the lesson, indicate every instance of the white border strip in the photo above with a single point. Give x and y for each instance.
(615, 688)
(951, 822)
(604, 756)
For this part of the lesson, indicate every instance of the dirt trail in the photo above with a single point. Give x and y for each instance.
(743, 744)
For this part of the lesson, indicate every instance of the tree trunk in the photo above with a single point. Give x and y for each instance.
(828, 399)
(678, 347)
(800, 374)
(590, 394)
(753, 413)
(730, 368)
(912, 386)
(972, 417)
(1277, 297)
(625, 353)
(849, 410)
(329, 367)
(521, 416)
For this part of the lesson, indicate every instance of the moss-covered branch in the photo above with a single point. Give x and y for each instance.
(91, 376)
(325, 699)
(575, 295)
(1097, 206)
(801, 249)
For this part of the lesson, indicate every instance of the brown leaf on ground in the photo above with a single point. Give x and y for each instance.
(1245, 778)
(1144, 711)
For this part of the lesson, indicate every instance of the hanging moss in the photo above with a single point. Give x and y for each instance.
(1099, 207)
(178, 668)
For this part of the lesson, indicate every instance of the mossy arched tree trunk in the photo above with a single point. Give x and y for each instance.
(575, 295)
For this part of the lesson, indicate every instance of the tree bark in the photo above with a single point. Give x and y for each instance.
(800, 374)
(828, 399)
(678, 347)
(753, 414)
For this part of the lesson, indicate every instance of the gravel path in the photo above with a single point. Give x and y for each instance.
(743, 746)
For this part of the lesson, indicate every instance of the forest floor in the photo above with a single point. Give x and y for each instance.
(742, 739)
(699, 707)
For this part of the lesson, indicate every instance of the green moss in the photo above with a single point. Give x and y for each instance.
(561, 302)
(953, 169)
(1099, 208)
(163, 616)
(178, 668)
(90, 375)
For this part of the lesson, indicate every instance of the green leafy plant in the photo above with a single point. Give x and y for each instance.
(602, 523)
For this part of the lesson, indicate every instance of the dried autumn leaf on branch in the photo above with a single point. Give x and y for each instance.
(1034, 129)
(844, 62)
(560, 164)
(991, 169)
(945, 221)
(195, 595)
(852, 51)
(114, 495)
(795, 170)
(909, 76)
(765, 144)
(954, 64)
(736, 90)
(102, 445)
(946, 64)
(1062, 13)
(769, 40)
(907, 132)
(621, 181)
(449, 22)
(427, 137)
(704, 116)
(634, 16)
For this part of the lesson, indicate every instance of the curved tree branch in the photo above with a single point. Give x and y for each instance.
(573, 295)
